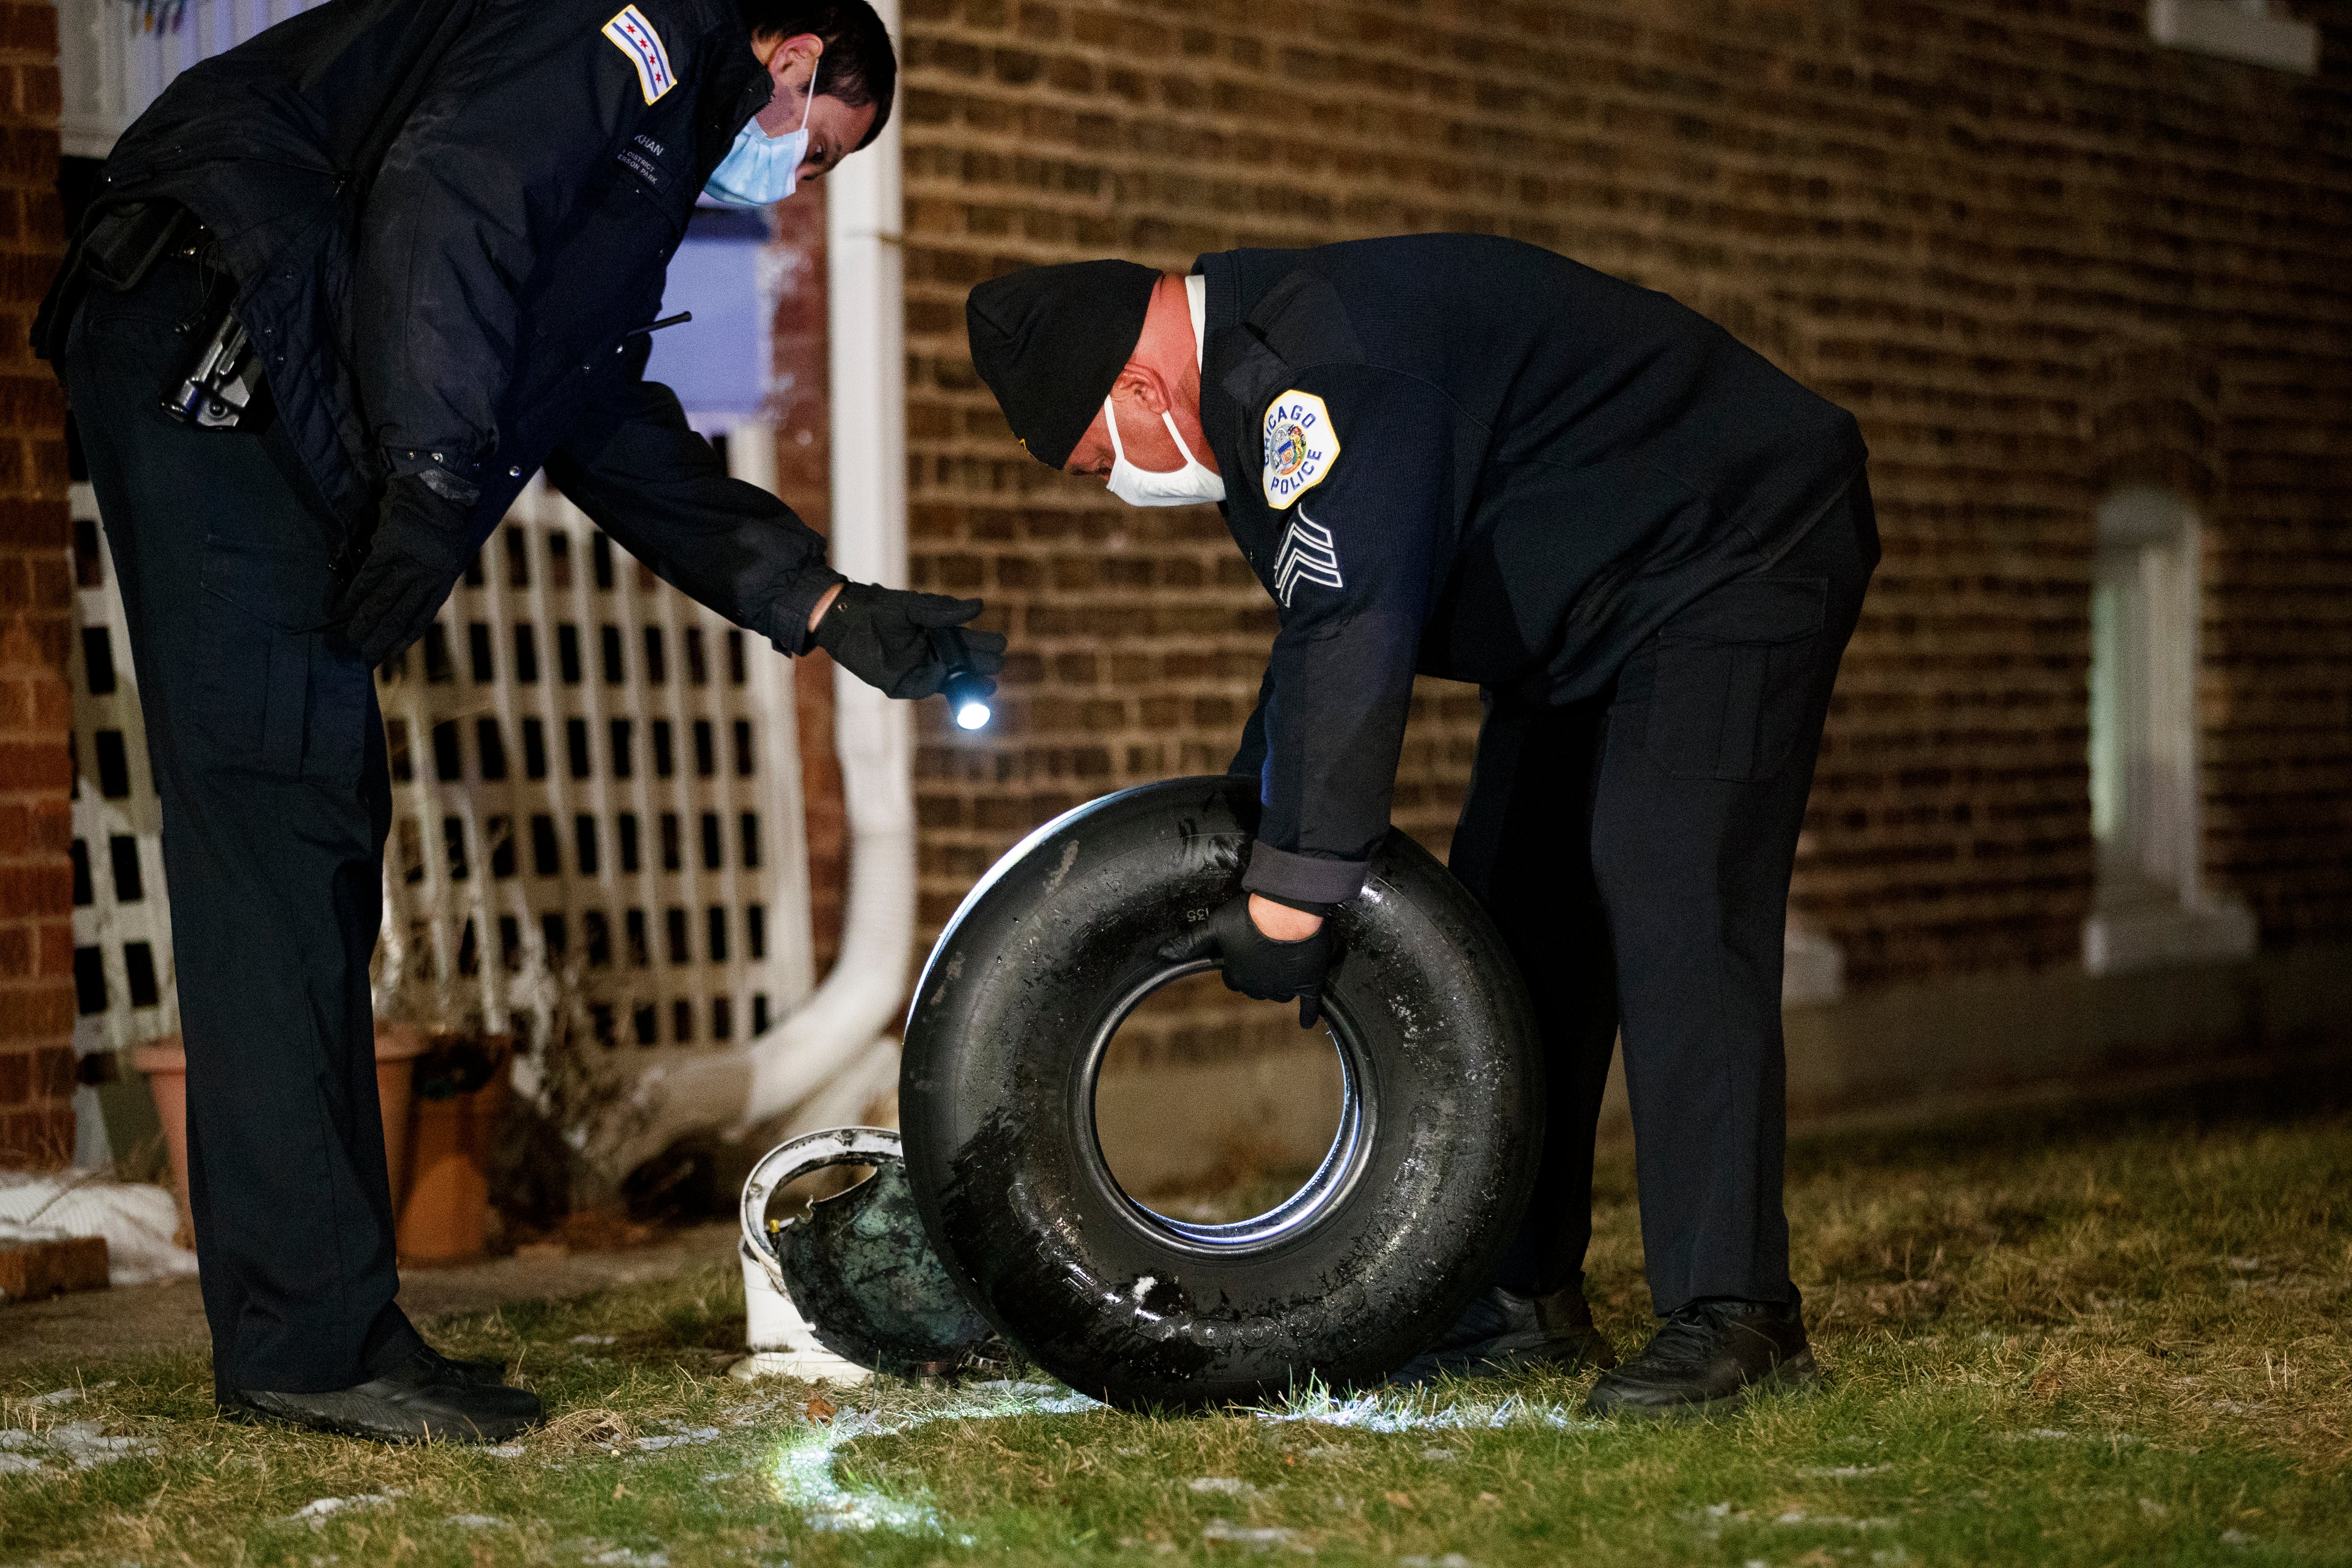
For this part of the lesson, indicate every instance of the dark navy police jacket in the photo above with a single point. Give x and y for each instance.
(1469, 457)
(484, 310)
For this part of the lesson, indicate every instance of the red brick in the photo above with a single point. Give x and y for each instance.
(53, 1072)
(44, 767)
(57, 941)
(41, 1012)
(37, 1139)
(2017, 327)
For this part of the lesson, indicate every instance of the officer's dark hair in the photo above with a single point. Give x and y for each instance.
(860, 68)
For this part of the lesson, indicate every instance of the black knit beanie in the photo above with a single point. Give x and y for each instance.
(1050, 341)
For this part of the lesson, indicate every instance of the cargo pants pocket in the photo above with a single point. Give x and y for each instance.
(274, 698)
(1734, 674)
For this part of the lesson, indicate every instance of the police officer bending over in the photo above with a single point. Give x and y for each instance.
(1469, 458)
(389, 259)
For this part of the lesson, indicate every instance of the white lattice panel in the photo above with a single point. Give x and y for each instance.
(596, 785)
(123, 928)
(596, 797)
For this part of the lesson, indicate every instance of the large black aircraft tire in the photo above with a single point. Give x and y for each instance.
(1348, 1279)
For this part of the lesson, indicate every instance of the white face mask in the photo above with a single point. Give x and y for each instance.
(760, 169)
(1188, 486)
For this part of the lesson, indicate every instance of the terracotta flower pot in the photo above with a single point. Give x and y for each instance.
(445, 1217)
(397, 1047)
(165, 1063)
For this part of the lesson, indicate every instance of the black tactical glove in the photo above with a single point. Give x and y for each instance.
(1256, 964)
(904, 644)
(414, 559)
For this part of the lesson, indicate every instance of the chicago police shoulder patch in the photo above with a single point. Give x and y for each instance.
(635, 36)
(1300, 446)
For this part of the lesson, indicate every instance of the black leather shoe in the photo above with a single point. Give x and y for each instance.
(1708, 1357)
(490, 1373)
(1502, 1332)
(425, 1398)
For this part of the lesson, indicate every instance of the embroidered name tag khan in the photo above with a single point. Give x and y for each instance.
(1300, 446)
(1310, 555)
(635, 36)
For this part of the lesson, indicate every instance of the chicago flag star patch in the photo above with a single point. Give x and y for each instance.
(635, 36)
(1300, 446)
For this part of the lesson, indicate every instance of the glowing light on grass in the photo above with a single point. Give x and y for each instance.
(805, 1480)
(803, 1468)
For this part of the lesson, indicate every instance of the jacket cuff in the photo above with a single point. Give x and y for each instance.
(790, 629)
(1279, 873)
(440, 473)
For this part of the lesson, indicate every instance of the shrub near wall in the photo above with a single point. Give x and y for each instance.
(37, 956)
(2036, 253)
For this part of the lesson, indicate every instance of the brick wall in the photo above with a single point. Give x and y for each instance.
(802, 410)
(36, 994)
(2035, 254)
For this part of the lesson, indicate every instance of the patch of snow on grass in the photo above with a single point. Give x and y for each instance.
(68, 1396)
(1393, 1412)
(1229, 1485)
(84, 1444)
(691, 1436)
(317, 1511)
(1257, 1538)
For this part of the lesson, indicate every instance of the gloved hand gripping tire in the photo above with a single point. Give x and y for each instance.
(904, 644)
(414, 560)
(1259, 965)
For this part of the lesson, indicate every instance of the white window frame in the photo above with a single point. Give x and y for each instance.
(2150, 907)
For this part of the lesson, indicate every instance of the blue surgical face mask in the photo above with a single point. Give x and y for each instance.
(760, 169)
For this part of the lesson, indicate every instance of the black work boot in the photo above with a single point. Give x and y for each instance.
(427, 1396)
(1706, 1358)
(1502, 1332)
(490, 1373)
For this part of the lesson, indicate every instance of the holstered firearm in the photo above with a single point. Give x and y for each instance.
(220, 386)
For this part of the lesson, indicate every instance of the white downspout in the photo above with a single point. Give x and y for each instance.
(836, 1049)
(848, 1017)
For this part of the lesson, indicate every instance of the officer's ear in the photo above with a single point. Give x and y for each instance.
(1143, 385)
(790, 59)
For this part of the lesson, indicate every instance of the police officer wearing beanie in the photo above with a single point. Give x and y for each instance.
(1465, 456)
(443, 227)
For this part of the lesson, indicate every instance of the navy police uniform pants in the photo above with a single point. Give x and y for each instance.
(268, 754)
(1635, 850)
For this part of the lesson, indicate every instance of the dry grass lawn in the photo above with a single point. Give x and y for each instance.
(2110, 1338)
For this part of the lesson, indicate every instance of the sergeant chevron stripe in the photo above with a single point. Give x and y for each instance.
(1309, 554)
